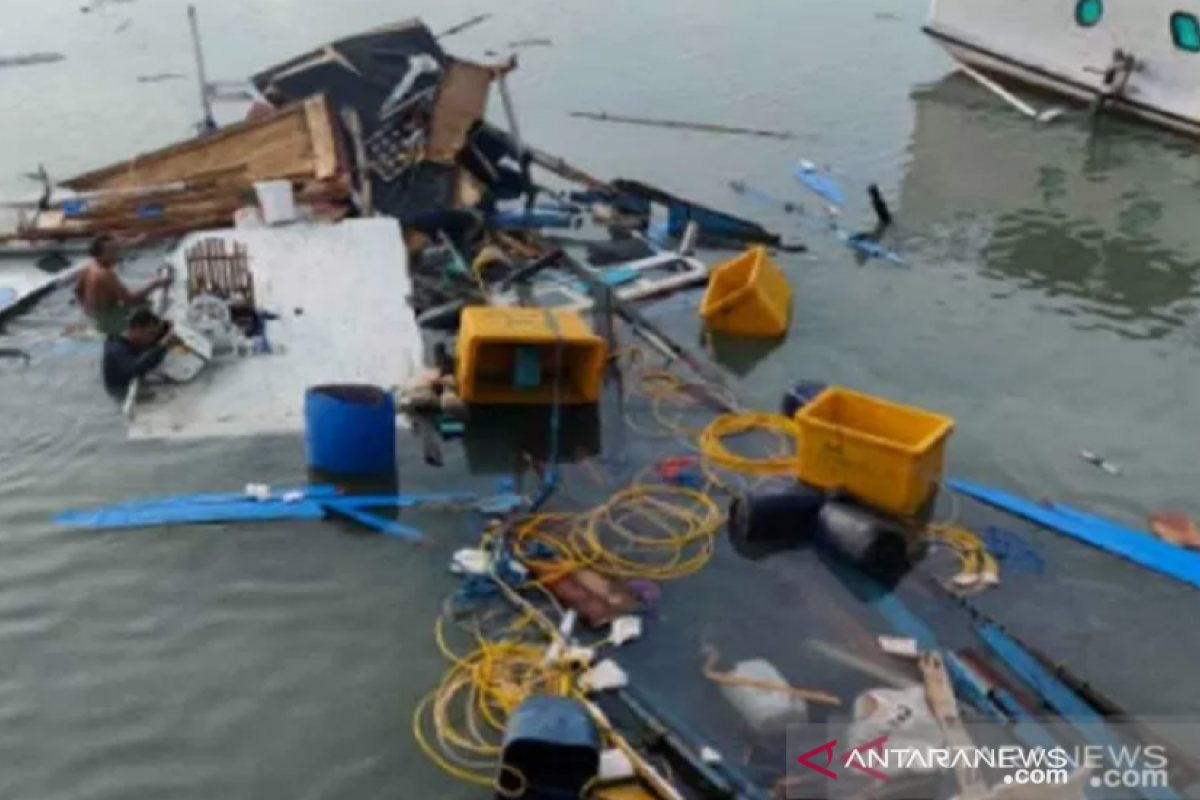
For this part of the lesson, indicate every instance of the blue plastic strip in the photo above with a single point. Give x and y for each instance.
(538, 218)
(1143, 550)
(868, 247)
(820, 184)
(1059, 696)
(388, 527)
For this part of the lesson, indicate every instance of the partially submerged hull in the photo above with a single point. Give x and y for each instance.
(1042, 44)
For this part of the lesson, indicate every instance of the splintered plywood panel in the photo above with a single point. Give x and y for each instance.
(296, 141)
(340, 292)
(461, 101)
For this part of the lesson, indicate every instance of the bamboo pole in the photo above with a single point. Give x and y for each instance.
(702, 127)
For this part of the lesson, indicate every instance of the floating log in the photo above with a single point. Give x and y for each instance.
(701, 127)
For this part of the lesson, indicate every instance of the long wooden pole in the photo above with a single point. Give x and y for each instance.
(701, 127)
(208, 124)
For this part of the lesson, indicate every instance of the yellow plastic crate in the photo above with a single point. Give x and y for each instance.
(498, 346)
(748, 296)
(889, 456)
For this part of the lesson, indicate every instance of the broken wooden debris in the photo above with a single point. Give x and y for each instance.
(295, 141)
(700, 127)
(30, 59)
(463, 26)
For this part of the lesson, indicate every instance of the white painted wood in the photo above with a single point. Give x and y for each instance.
(20, 278)
(1055, 53)
(651, 282)
(341, 293)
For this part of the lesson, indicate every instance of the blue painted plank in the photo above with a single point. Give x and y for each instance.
(1074, 709)
(1092, 519)
(246, 511)
(1145, 551)
(318, 491)
(906, 623)
(402, 500)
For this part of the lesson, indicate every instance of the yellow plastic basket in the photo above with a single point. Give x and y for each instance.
(889, 456)
(748, 296)
(494, 340)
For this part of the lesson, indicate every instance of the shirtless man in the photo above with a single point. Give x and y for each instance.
(102, 295)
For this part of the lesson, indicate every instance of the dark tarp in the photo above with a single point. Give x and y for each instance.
(398, 66)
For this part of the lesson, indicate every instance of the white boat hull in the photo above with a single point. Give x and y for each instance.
(1044, 43)
(1048, 82)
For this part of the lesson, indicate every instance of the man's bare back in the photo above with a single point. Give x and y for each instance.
(101, 293)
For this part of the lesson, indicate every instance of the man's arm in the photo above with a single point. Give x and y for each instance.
(115, 290)
(141, 295)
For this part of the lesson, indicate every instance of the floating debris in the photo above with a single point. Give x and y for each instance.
(519, 43)
(463, 26)
(30, 60)
(1178, 529)
(124, 26)
(15, 353)
(1100, 461)
(702, 127)
(159, 77)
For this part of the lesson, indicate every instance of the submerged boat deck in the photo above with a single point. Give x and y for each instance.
(339, 293)
(817, 619)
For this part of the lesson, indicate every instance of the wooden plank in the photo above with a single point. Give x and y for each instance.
(317, 115)
(274, 145)
(945, 708)
(461, 102)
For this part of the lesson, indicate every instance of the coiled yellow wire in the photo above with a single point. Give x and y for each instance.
(649, 530)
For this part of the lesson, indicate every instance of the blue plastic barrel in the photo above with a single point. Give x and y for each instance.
(350, 430)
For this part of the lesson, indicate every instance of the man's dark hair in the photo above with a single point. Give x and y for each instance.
(96, 248)
(143, 318)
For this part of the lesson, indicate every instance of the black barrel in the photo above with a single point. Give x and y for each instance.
(787, 515)
(873, 543)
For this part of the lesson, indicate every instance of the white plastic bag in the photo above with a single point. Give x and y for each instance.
(766, 711)
(903, 715)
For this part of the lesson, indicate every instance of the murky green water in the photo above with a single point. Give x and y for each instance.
(1049, 303)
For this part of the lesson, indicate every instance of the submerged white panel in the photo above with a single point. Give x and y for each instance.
(341, 295)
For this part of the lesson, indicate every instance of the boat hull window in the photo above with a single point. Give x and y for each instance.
(1185, 31)
(1089, 12)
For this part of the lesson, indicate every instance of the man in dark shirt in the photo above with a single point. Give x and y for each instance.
(136, 352)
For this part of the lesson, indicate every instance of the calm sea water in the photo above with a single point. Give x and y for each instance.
(1049, 304)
